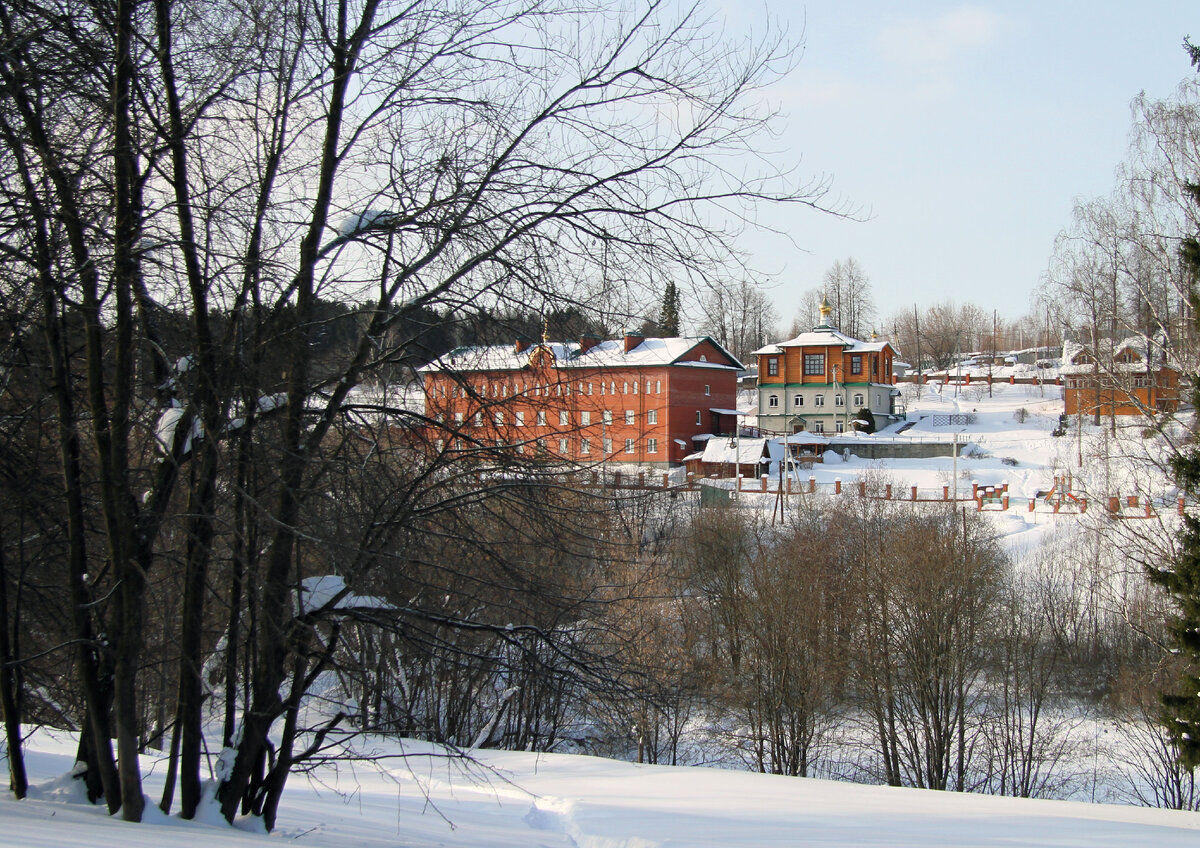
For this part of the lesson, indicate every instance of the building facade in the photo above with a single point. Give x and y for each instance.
(647, 401)
(820, 380)
(1125, 380)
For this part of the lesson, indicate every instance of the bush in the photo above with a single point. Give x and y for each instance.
(864, 414)
(1020, 415)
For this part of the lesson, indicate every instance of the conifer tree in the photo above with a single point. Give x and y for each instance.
(1181, 577)
(668, 318)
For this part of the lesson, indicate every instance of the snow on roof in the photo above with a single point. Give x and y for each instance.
(606, 354)
(825, 336)
(805, 437)
(742, 451)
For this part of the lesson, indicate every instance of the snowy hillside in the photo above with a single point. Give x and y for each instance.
(415, 795)
(419, 799)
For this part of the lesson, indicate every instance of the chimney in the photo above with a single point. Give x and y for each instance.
(522, 344)
(588, 341)
(632, 339)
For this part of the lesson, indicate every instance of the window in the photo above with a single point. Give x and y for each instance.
(478, 419)
(856, 364)
(441, 445)
(499, 419)
(541, 418)
(541, 445)
(585, 446)
(773, 401)
(519, 418)
(585, 417)
(658, 387)
(707, 390)
(629, 446)
(858, 400)
(625, 388)
(819, 400)
(635, 385)
(840, 427)
(564, 418)
(647, 387)
(562, 446)
(458, 418)
(652, 416)
(440, 418)
(590, 388)
(838, 400)
(814, 363)
(798, 400)
(818, 426)
(629, 416)
(651, 445)
(773, 366)
(608, 416)
(607, 446)
(698, 419)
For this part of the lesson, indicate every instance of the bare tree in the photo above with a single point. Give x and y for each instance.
(848, 290)
(740, 317)
(235, 170)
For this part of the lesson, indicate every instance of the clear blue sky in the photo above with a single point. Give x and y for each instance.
(963, 130)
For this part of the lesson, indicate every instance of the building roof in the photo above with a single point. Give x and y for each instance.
(824, 335)
(1127, 356)
(610, 353)
(743, 451)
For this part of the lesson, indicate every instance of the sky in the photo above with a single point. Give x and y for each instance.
(962, 132)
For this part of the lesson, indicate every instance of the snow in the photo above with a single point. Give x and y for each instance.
(417, 796)
(318, 592)
(606, 354)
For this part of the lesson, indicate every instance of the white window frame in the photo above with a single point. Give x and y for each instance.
(541, 418)
(629, 446)
(651, 445)
(564, 418)
(585, 417)
(651, 416)
(630, 416)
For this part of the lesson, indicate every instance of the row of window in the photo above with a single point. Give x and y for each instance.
(819, 400)
(814, 365)
(564, 417)
(564, 446)
(545, 390)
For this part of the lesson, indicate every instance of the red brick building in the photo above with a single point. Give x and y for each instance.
(637, 400)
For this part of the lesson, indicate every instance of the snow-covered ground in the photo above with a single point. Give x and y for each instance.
(418, 798)
(414, 795)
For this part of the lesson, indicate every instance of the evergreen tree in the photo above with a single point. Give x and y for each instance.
(668, 317)
(1181, 577)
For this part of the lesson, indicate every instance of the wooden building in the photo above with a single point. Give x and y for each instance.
(1132, 377)
(820, 380)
